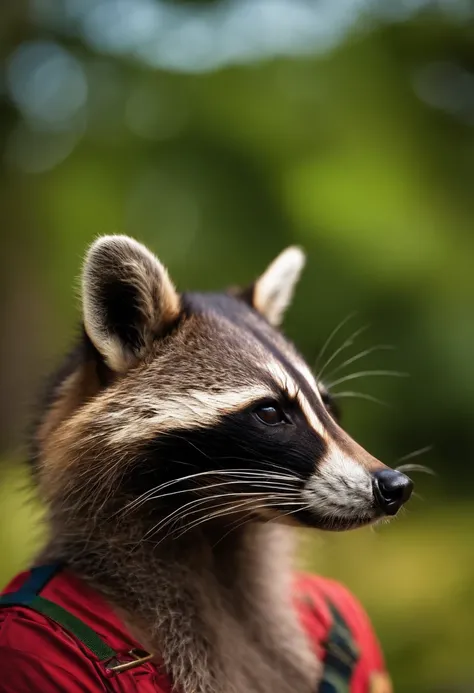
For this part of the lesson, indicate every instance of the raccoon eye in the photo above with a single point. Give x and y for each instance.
(270, 414)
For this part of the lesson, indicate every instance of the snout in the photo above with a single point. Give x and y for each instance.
(391, 490)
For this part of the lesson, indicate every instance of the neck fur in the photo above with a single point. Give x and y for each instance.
(218, 613)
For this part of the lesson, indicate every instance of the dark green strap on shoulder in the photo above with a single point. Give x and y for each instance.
(29, 596)
(342, 655)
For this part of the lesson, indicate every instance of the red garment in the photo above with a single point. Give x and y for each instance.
(36, 654)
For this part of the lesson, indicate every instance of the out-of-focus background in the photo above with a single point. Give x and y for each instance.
(219, 132)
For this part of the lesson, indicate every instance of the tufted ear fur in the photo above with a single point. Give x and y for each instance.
(271, 294)
(128, 300)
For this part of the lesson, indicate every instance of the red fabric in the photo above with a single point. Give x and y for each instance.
(38, 655)
(319, 589)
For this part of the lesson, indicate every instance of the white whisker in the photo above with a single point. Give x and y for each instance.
(415, 453)
(256, 474)
(240, 523)
(175, 515)
(334, 332)
(233, 508)
(360, 355)
(264, 482)
(415, 468)
(237, 507)
(282, 501)
(367, 374)
(345, 345)
(359, 395)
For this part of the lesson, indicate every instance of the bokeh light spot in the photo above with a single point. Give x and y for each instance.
(47, 83)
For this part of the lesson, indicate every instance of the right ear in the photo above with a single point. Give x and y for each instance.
(128, 300)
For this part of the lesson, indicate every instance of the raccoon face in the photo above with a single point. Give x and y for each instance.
(192, 408)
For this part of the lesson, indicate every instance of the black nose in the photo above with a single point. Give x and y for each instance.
(391, 490)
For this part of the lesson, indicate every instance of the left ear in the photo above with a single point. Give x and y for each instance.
(272, 292)
(128, 300)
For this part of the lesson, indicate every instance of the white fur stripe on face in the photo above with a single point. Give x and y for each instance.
(310, 415)
(204, 408)
(305, 373)
(193, 409)
(288, 384)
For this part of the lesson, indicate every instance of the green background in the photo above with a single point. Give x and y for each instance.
(218, 133)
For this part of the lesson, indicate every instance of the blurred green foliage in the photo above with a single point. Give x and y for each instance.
(361, 150)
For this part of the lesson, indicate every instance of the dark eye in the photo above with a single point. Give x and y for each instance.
(270, 414)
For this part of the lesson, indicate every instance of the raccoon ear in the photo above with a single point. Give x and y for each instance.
(271, 294)
(128, 300)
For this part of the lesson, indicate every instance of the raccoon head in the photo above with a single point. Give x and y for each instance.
(181, 409)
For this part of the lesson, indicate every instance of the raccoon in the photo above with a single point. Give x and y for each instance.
(178, 446)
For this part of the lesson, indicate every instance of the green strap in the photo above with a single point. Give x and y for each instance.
(74, 625)
(342, 655)
(28, 596)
